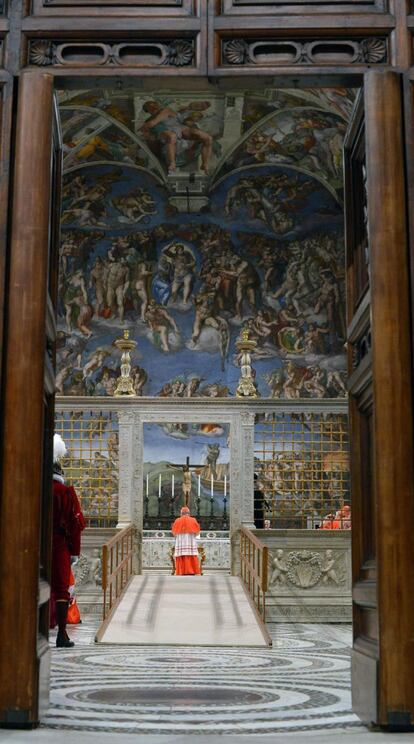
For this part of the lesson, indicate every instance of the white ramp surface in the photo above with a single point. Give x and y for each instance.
(185, 610)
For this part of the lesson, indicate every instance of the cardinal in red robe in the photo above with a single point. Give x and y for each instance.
(68, 523)
(185, 530)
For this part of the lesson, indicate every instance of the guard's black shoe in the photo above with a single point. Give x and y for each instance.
(63, 641)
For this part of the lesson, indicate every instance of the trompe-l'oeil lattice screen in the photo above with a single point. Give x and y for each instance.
(301, 460)
(302, 463)
(91, 465)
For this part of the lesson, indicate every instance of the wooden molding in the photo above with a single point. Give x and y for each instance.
(171, 53)
(320, 51)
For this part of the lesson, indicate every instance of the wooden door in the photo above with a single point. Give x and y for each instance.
(25, 534)
(381, 420)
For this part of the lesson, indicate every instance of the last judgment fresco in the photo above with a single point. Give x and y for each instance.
(190, 217)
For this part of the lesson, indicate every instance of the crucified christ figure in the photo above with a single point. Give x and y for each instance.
(186, 468)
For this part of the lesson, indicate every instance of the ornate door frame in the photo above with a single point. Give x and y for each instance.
(234, 39)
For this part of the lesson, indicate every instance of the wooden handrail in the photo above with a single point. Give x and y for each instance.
(117, 567)
(254, 559)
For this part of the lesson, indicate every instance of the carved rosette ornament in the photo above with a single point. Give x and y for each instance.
(373, 51)
(180, 53)
(236, 52)
(42, 53)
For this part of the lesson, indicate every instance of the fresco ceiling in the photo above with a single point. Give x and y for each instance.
(301, 128)
(189, 216)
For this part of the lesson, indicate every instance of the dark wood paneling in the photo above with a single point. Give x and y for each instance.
(381, 431)
(364, 668)
(401, 41)
(392, 394)
(6, 116)
(158, 9)
(148, 53)
(409, 159)
(261, 8)
(22, 455)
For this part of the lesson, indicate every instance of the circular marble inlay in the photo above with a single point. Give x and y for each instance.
(300, 684)
(174, 696)
(140, 657)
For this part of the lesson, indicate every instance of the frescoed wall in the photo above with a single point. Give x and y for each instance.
(166, 449)
(302, 462)
(188, 218)
(91, 462)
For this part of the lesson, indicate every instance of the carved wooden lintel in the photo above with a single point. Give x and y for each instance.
(167, 53)
(322, 51)
(137, 3)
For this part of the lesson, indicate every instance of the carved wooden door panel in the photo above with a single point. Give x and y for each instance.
(380, 406)
(28, 400)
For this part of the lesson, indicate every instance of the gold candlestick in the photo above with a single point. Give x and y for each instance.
(247, 387)
(125, 386)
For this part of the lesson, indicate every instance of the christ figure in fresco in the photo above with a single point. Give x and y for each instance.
(182, 263)
(171, 127)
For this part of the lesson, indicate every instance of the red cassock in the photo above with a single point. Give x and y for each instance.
(187, 562)
(68, 523)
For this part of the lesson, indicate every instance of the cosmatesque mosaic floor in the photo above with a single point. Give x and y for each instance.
(301, 684)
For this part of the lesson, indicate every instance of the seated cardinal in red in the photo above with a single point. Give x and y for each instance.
(68, 523)
(185, 529)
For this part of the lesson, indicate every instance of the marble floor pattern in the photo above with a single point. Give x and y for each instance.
(301, 684)
(185, 610)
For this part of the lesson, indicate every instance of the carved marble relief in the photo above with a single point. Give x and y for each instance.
(88, 571)
(307, 568)
(156, 548)
(309, 576)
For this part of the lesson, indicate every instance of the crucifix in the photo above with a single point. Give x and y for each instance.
(186, 468)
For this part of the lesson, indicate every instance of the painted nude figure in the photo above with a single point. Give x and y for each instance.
(98, 280)
(141, 286)
(171, 126)
(186, 484)
(183, 264)
(117, 286)
(160, 321)
(77, 308)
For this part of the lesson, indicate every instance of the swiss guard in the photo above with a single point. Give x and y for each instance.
(68, 523)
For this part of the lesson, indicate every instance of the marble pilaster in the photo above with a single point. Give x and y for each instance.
(126, 468)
